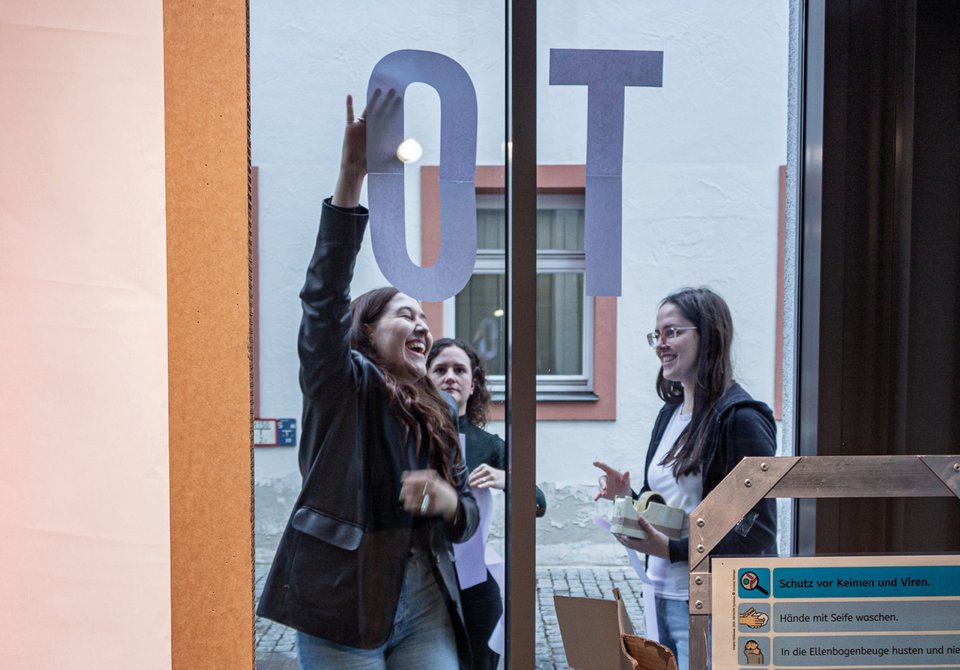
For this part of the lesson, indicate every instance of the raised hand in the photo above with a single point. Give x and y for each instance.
(612, 482)
(353, 155)
(353, 160)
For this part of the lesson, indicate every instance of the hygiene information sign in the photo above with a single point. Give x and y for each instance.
(888, 613)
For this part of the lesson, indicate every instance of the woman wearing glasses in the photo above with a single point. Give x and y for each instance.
(707, 425)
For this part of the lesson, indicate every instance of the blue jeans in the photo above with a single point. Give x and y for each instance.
(673, 622)
(421, 637)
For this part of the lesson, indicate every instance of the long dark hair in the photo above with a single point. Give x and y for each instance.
(709, 313)
(479, 401)
(416, 405)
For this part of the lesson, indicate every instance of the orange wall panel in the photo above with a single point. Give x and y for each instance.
(208, 242)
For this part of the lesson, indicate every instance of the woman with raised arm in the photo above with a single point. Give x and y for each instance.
(455, 368)
(707, 425)
(364, 570)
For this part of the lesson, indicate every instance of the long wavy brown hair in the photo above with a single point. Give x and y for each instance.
(416, 405)
(479, 401)
(714, 374)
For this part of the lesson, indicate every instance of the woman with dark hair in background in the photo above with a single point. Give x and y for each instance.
(455, 368)
(707, 425)
(364, 570)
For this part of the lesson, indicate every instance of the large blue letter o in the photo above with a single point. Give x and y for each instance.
(458, 159)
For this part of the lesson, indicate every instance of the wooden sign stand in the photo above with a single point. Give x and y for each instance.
(756, 478)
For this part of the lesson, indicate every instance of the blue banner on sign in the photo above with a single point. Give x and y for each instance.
(867, 582)
(286, 432)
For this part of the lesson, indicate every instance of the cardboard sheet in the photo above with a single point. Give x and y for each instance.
(591, 633)
(208, 238)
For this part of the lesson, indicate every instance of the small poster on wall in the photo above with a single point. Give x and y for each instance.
(836, 612)
(274, 432)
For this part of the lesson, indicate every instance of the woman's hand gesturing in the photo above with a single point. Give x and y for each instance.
(487, 477)
(425, 493)
(613, 483)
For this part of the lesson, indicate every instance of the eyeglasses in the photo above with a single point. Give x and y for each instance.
(670, 332)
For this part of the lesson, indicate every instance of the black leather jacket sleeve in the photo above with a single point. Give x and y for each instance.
(324, 342)
(326, 365)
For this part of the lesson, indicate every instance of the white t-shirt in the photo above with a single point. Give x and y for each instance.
(671, 580)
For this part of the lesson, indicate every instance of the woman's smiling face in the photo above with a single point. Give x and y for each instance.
(402, 338)
(678, 354)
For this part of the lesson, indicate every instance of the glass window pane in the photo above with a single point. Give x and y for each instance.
(700, 203)
(491, 229)
(560, 324)
(305, 58)
(560, 317)
(480, 309)
(560, 229)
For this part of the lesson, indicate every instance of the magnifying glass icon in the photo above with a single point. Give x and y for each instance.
(750, 581)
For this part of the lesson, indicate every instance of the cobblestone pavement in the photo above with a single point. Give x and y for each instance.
(275, 643)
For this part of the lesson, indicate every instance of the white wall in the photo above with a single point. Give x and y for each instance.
(700, 191)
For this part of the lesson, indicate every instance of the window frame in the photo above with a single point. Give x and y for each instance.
(571, 400)
(550, 387)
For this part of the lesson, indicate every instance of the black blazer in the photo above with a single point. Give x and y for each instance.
(339, 566)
